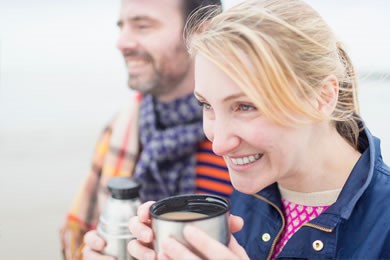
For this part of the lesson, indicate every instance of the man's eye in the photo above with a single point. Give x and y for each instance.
(143, 26)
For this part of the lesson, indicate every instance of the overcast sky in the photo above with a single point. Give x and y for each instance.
(58, 60)
(364, 26)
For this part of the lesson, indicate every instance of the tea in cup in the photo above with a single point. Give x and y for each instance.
(207, 212)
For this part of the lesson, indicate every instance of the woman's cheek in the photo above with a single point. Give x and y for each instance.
(208, 129)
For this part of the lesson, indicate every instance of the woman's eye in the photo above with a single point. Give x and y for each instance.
(204, 105)
(245, 107)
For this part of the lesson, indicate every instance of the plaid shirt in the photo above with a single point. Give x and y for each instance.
(116, 154)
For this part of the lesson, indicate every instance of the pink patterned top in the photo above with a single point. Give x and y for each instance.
(300, 208)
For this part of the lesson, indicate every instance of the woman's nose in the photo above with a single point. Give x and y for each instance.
(223, 137)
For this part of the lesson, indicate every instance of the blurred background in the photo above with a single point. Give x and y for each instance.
(61, 79)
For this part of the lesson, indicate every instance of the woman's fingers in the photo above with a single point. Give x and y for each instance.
(93, 244)
(89, 254)
(141, 247)
(209, 247)
(205, 247)
(94, 241)
(143, 212)
(140, 251)
(172, 249)
(237, 249)
(141, 231)
(139, 225)
(235, 223)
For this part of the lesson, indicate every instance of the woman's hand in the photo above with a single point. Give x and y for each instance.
(94, 244)
(207, 246)
(140, 227)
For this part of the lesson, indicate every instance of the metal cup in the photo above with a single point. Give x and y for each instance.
(207, 212)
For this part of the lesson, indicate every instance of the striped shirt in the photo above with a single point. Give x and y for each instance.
(212, 176)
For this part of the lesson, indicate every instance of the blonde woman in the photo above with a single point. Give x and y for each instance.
(279, 101)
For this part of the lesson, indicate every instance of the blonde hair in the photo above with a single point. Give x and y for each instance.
(279, 52)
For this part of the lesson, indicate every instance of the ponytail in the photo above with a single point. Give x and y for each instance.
(348, 100)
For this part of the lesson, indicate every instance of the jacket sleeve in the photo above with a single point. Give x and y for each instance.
(83, 213)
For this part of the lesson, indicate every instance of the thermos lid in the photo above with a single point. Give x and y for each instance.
(123, 188)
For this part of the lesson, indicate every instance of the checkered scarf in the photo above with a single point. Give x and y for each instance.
(175, 129)
(169, 133)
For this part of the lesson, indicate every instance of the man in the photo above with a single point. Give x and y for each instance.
(159, 138)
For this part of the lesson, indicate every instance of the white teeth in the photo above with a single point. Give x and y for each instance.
(246, 160)
(134, 63)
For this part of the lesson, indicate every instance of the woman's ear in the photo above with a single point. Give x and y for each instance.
(328, 95)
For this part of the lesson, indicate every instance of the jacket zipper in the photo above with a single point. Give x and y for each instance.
(283, 223)
(328, 230)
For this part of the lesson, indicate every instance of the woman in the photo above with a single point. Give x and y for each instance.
(279, 102)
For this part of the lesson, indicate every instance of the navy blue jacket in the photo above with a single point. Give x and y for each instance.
(356, 226)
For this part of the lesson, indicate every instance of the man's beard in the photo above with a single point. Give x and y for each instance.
(152, 85)
(160, 81)
(162, 76)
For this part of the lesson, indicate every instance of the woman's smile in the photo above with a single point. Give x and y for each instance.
(245, 159)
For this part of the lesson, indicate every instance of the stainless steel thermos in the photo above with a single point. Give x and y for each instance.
(118, 209)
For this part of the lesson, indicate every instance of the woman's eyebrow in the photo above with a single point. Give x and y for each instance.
(227, 98)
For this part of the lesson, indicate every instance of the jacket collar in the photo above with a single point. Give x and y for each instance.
(360, 177)
(353, 189)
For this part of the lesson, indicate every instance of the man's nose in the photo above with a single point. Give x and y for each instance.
(126, 40)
